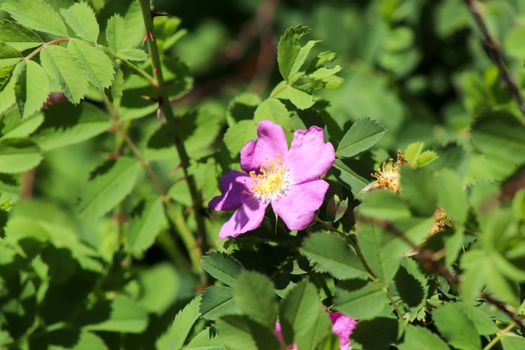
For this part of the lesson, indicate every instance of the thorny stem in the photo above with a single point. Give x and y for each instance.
(429, 262)
(495, 54)
(43, 46)
(165, 106)
(501, 334)
(174, 214)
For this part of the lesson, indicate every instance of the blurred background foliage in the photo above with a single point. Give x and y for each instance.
(418, 67)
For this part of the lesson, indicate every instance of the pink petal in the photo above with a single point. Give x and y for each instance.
(298, 205)
(270, 145)
(246, 218)
(309, 157)
(233, 190)
(342, 326)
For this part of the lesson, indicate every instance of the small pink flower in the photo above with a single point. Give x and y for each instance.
(288, 179)
(342, 326)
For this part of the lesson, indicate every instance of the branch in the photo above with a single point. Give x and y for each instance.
(165, 107)
(430, 263)
(495, 55)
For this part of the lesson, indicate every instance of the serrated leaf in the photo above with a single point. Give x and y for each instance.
(37, 15)
(217, 301)
(144, 229)
(17, 36)
(125, 316)
(419, 338)
(124, 33)
(133, 55)
(288, 49)
(81, 18)
(255, 297)
(412, 152)
(31, 88)
(183, 323)
(238, 135)
(9, 56)
(15, 127)
(456, 327)
(17, 156)
(411, 284)
(349, 177)
(67, 124)
(451, 196)
(362, 135)
(107, 189)
(331, 253)
(362, 304)
(303, 318)
(62, 66)
(95, 62)
(426, 157)
(222, 267)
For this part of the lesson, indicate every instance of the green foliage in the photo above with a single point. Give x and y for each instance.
(109, 156)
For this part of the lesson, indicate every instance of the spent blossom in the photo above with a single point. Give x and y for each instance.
(288, 179)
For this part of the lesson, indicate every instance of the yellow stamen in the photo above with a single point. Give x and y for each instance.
(270, 181)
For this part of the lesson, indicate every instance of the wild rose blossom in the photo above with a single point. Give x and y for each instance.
(342, 326)
(286, 178)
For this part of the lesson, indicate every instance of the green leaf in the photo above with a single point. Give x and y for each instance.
(17, 156)
(289, 48)
(419, 338)
(362, 304)
(95, 62)
(37, 15)
(411, 285)
(241, 333)
(349, 177)
(363, 134)
(17, 36)
(144, 228)
(9, 56)
(332, 254)
(133, 55)
(31, 88)
(513, 342)
(419, 189)
(222, 267)
(451, 196)
(384, 204)
(274, 110)
(81, 18)
(115, 31)
(15, 128)
(299, 98)
(62, 66)
(255, 297)
(238, 135)
(484, 325)
(159, 286)
(125, 316)
(303, 318)
(183, 323)
(107, 189)
(501, 136)
(217, 301)
(366, 333)
(456, 327)
(66, 124)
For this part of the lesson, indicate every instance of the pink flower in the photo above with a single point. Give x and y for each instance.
(288, 179)
(342, 326)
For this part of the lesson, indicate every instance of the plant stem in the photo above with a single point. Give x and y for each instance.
(165, 106)
(495, 55)
(43, 46)
(500, 335)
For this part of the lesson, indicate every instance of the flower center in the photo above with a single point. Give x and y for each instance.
(269, 182)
